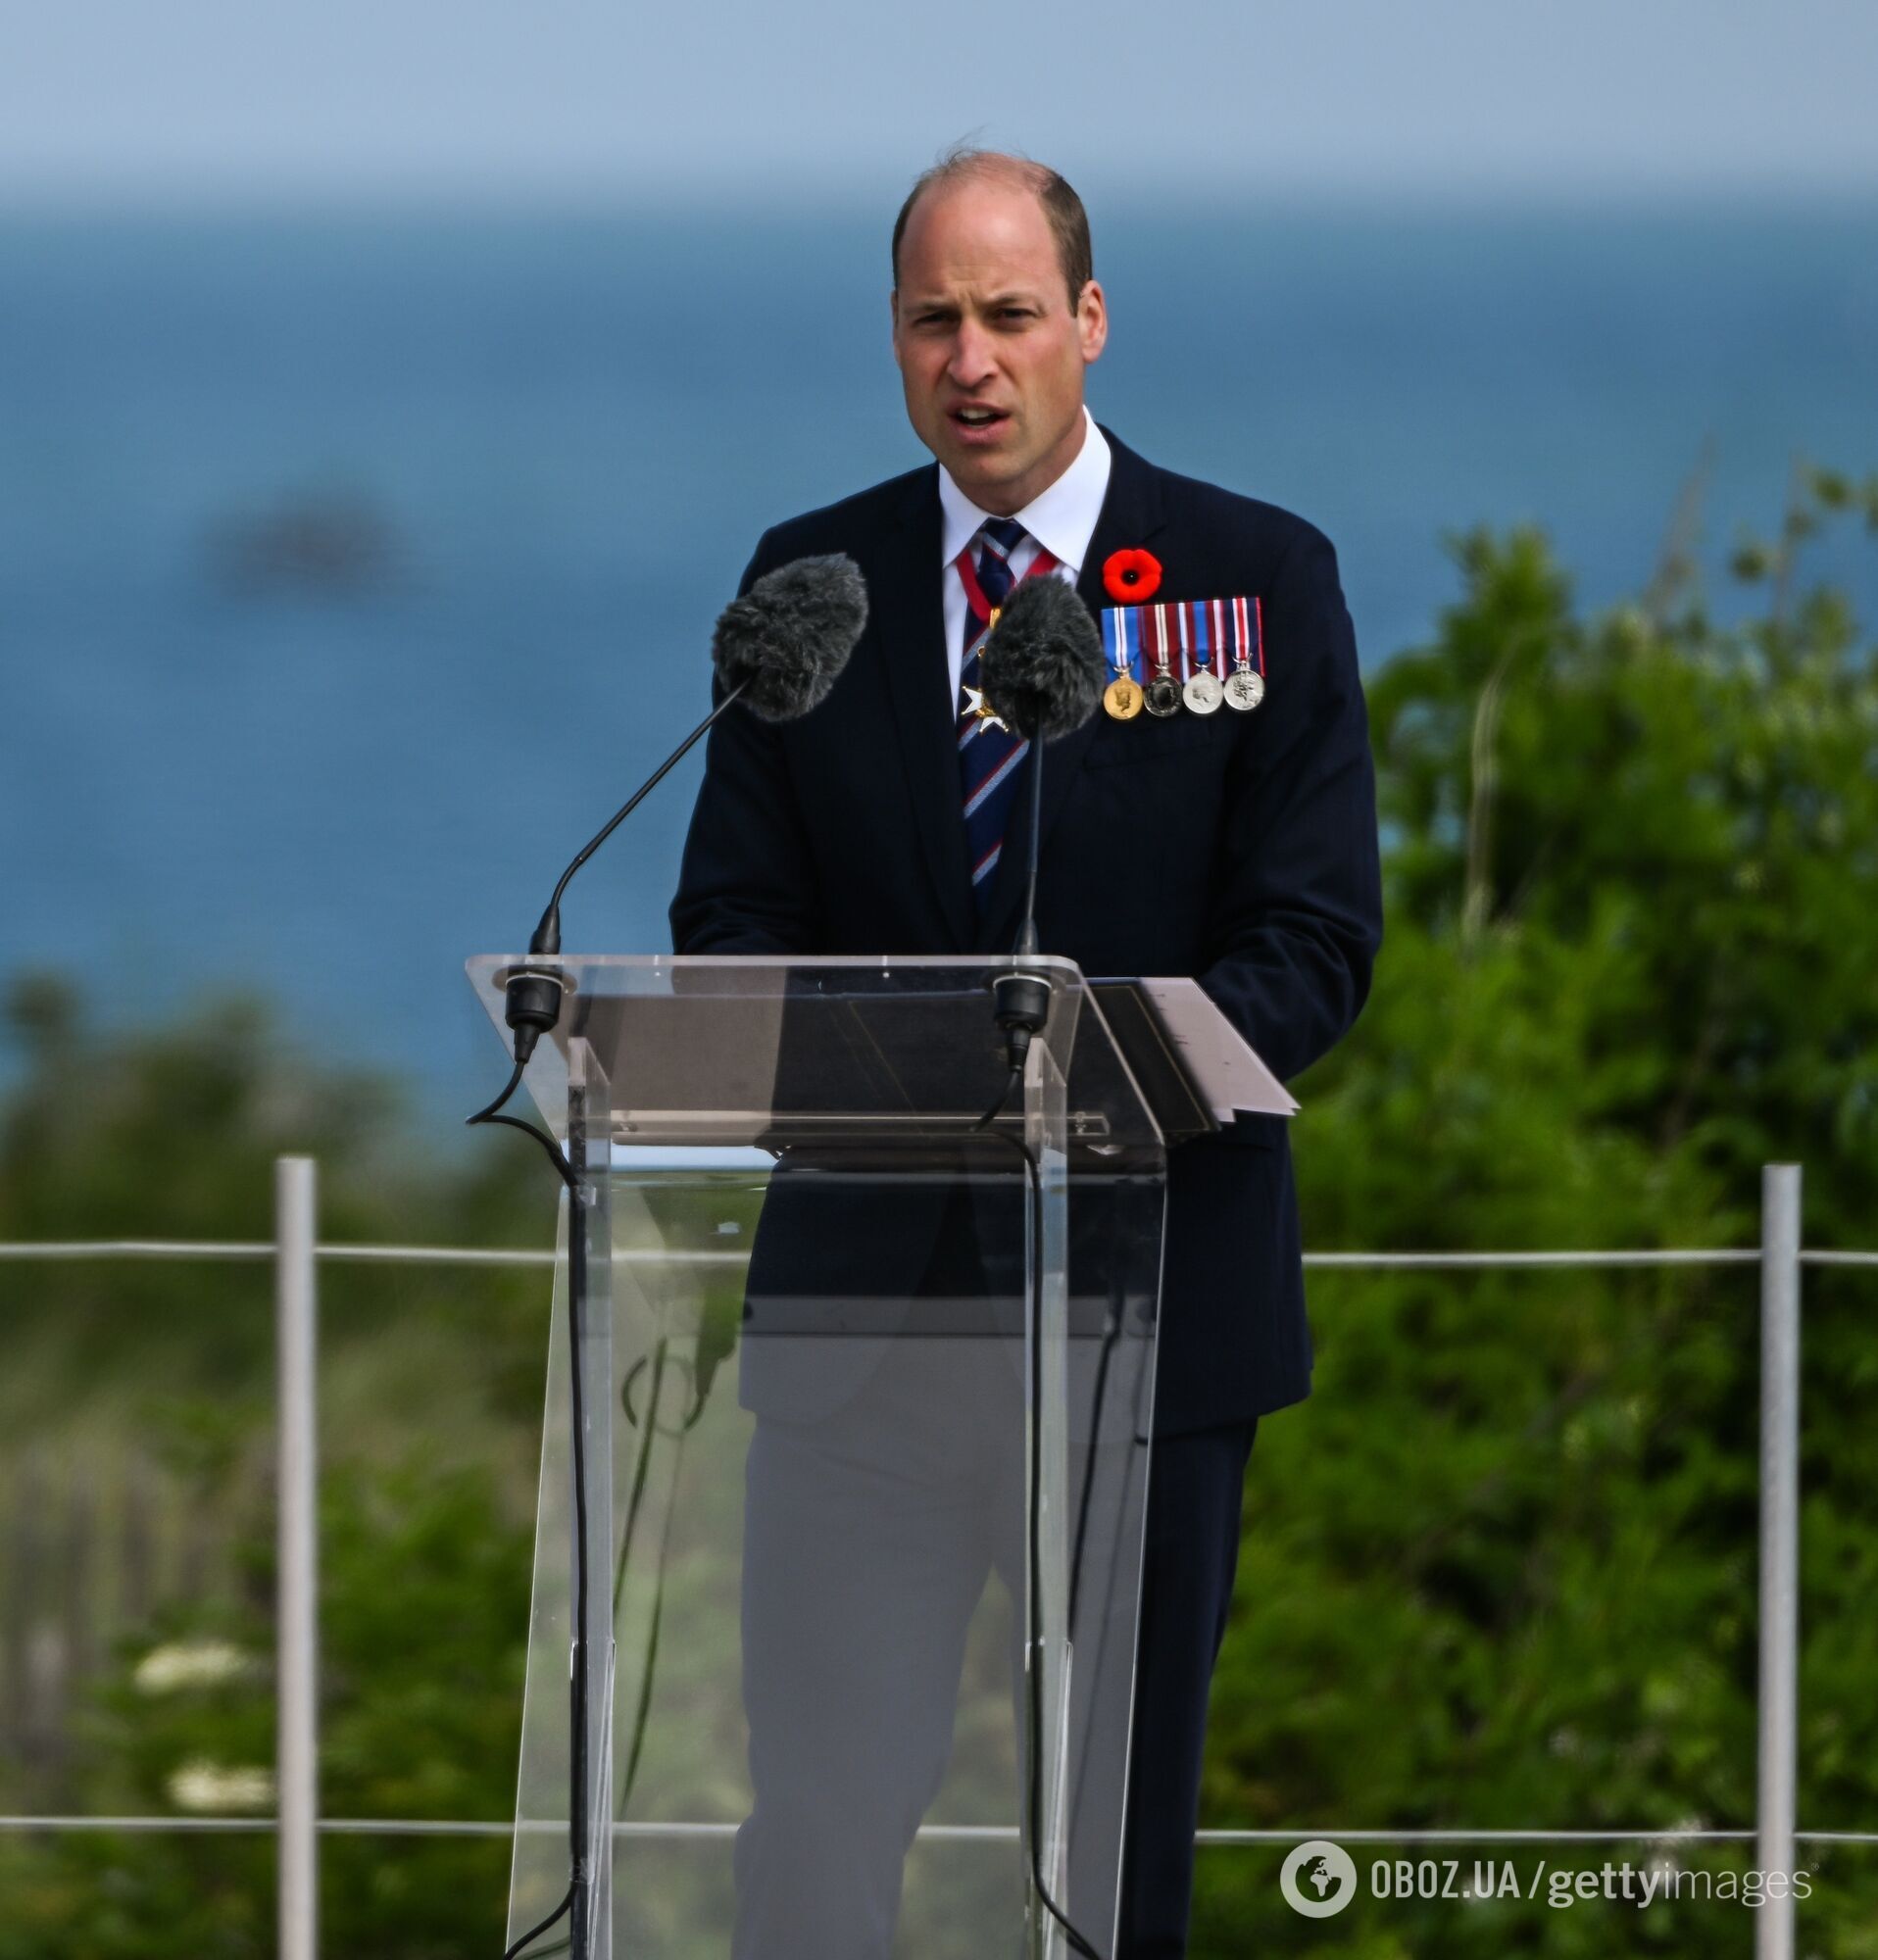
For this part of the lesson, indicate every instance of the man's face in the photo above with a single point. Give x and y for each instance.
(990, 355)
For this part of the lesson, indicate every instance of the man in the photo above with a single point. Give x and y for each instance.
(1236, 846)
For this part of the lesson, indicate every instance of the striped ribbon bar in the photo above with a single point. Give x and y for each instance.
(1188, 633)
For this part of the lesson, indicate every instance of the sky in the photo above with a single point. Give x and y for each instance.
(235, 100)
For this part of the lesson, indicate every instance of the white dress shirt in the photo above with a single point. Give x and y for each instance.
(1061, 520)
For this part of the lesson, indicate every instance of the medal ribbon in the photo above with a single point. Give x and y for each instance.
(976, 602)
(1200, 645)
(1121, 639)
(1248, 627)
(1217, 634)
(1157, 645)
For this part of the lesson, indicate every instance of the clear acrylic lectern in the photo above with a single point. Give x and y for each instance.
(868, 1389)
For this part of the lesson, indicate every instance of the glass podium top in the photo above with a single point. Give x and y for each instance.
(716, 1050)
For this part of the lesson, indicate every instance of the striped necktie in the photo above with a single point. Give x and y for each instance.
(990, 758)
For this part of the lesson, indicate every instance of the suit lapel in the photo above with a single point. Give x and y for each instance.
(1130, 515)
(910, 618)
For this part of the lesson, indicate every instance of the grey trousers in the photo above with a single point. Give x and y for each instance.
(869, 1540)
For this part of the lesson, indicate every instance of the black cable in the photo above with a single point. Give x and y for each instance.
(1033, 1476)
(572, 1904)
(541, 1925)
(1033, 1314)
(997, 1109)
(555, 1155)
(642, 1714)
(1110, 1332)
(580, 1933)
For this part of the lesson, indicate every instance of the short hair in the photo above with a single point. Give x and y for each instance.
(1061, 207)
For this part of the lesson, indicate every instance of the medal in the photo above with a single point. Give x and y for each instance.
(977, 705)
(1162, 695)
(1222, 657)
(1246, 684)
(1202, 692)
(1245, 689)
(1122, 698)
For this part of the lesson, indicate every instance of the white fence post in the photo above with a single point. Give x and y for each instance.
(1779, 1699)
(296, 1632)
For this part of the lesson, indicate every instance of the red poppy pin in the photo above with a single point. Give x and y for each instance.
(1130, 576)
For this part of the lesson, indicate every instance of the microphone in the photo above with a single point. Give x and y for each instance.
(1043, 665)
(778, 650)
(1043, 670)
(782, 646)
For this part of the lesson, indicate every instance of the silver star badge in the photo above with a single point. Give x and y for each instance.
(977, 705)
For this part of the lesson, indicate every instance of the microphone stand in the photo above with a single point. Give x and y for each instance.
(1021, 1000)
(531, 1008)
(1021, 1006)
(532, 1002)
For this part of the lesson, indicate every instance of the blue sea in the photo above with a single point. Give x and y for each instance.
(354, 566)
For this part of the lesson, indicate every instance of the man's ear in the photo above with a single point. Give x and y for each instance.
(893, 310)
(1091, 322)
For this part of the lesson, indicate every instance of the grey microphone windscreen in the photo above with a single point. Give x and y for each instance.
(1043, 664)
(790, 635)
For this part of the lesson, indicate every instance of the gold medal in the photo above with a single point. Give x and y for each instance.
(1245, 689)
(1202, 692)
(1122, 698)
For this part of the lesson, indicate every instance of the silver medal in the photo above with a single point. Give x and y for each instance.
(1202, 692)
(1163, 695)
(1245, 688)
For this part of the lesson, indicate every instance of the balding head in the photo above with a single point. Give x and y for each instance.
(991, 348)
(1061, 207)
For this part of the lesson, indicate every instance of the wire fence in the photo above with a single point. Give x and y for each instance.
(296, 1253)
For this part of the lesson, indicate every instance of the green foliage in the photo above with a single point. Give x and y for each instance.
(1501, 1567)
(1691, 811)
(172, 1132)
(422, 1623)
(149, 1385)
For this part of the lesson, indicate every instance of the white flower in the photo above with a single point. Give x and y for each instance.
(203, 1785)
(189, 1664)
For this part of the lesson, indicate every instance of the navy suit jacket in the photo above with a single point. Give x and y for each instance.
(1236, 848)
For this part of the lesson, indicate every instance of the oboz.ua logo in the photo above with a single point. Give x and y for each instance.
(1318, 1879)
